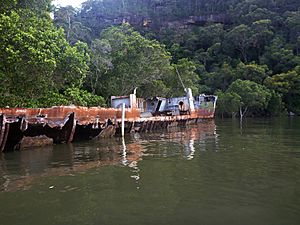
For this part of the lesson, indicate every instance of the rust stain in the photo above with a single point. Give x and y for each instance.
(57, 114)
(64, 123)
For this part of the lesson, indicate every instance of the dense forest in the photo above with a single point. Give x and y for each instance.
(244, 51)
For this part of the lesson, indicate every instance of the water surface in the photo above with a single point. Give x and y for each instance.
(209, 173)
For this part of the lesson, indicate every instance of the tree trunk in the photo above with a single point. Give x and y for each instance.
(241, 114)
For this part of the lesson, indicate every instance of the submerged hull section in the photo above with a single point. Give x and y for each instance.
(21, 127)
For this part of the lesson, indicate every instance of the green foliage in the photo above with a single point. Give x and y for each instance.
(28, 53)
(248, 12)
(100, 64)
(221, 78)
(155, 88)
(73, 65)
(284, 82)
(288, 85)
(204, 37)
(252, 95)
(234, 46)
(227, 40)
(65, 17)
(52, 99)
(37, 59)
(7, 5)
(10, 100)
(293, 24)
(70, 96)
(80, 97)
(262, 34)
(136, 61)
(248, 42)
(278, 57)
(239, 38)
(184, 70)
(38, 6)
(252, 71)
(275, 105)
(228, 103)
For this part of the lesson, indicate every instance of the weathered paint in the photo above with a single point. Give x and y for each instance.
(65, 124)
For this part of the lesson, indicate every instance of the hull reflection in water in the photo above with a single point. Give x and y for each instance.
(20, 170)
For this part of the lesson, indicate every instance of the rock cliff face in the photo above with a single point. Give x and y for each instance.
(163, 27)
(152, 16)
(148, 21)
(212, 18)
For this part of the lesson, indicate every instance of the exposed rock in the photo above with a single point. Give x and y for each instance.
(36, 141)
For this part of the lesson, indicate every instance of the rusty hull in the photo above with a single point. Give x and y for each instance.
(65, 124)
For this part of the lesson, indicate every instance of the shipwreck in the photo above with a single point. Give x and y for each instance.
(27, 127)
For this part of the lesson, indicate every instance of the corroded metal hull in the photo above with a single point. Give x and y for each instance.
(64, 124)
